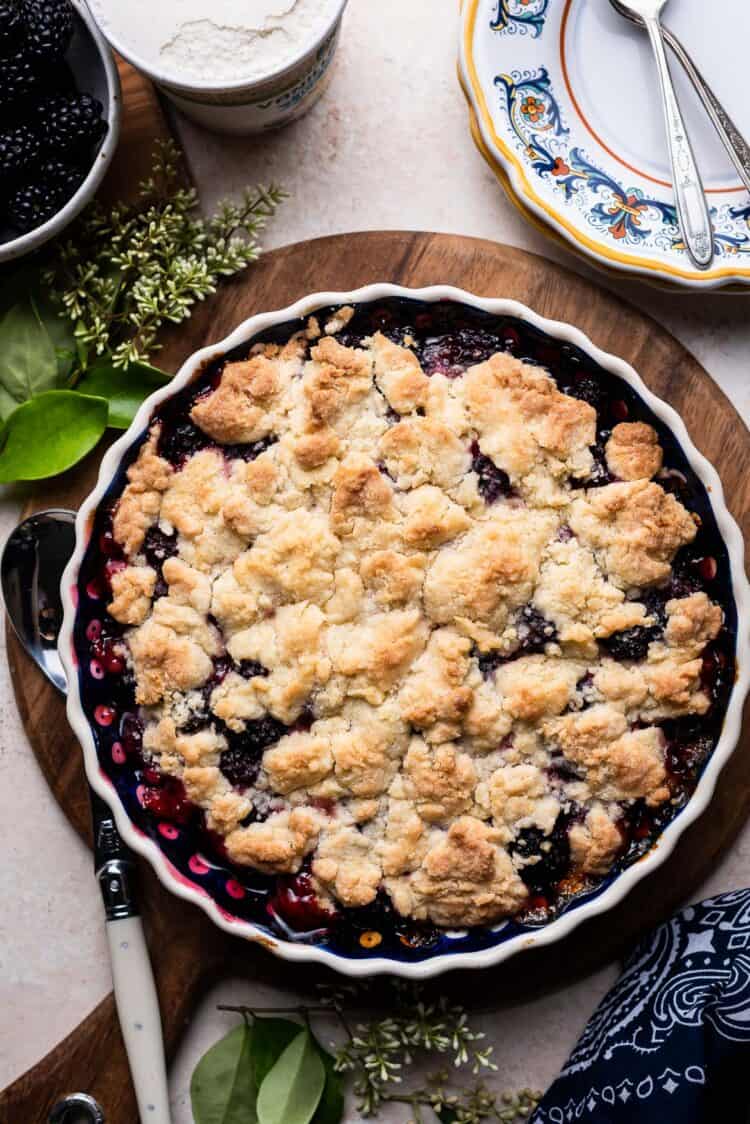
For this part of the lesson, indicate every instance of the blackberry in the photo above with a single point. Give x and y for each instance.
(49, 28)
(241, 761)
(158, 546)
(600, 474)
(11, 25)
(451, 355)
(61, 177)
(248, 452)
(493, 481)
(251, 669)
(181, 441)
(240, 768)
(72, 122)
(631, 644)
(30, 206)
(19, 150)
(588, 390)
(534, 631)
(18, 78)
(561, 770)
(685, 758)
(553, 850)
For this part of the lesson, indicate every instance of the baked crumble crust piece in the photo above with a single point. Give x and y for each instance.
(392, 631)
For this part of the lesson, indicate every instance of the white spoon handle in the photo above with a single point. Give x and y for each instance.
(690, 197)
(140, 1021)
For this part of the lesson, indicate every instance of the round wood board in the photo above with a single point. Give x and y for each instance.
(188, 951)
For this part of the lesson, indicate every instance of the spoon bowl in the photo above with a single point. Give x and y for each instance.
(31, 568)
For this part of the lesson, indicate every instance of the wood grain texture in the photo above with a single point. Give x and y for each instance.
(189, 952)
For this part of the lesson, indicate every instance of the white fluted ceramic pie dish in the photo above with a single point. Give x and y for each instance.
(173, 855)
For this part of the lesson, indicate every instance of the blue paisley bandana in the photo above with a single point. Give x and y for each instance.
(670, 1043)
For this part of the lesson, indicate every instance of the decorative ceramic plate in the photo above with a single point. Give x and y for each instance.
(566, 107)
(154, 814)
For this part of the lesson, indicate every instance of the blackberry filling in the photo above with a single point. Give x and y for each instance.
(534, 631)
(600, 475)
(631, 643)
(180, 441)
(251, 669)
(449, 340)
(451, 355)
(562, 771)
(247, 452)
(587, 389)
(296, 903)
(543, 876)
(158, 546)
(131, 734)
(240, 763)
(167, 799)
(493, 482)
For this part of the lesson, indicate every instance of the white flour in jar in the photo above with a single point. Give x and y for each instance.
(220, 41)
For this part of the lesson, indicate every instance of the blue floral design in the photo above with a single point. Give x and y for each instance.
(520, 16)
(626, 213)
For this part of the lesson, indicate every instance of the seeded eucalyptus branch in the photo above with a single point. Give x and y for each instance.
(376, 1052)
(128, 270)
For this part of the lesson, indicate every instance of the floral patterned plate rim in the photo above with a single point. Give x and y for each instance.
(174, 859)
(565, 104)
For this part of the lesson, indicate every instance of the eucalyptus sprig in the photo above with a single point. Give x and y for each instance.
(131, 269)
(376, 1054)
(76, 334)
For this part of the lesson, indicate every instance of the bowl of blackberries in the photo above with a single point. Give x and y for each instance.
(59, 118)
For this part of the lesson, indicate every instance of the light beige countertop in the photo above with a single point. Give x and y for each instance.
(388, 147)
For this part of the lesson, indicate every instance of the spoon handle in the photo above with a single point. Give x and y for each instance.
(737, 147)
(140, 1021)
(690, 198)
(132, 974)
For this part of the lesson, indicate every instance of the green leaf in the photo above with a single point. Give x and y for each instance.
(50, 433)
(331, 1107)
(270, 1039)
(124, 389)
(292, 1090)
(446, 1115)
(28, 363)
(59, 329)
(223, 1089)
(25, 285)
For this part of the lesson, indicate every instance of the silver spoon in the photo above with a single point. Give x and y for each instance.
(31, 569)
(690, 198)
(737, 147)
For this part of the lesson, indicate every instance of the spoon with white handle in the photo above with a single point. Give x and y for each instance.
(690, 198)
(737, 147)
(32, 564)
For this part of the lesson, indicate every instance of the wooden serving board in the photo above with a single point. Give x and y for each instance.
(189, 953)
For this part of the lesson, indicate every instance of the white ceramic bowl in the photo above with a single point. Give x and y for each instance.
(601, 900)
(245, 107)
(95, 72)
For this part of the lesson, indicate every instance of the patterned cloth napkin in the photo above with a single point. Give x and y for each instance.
(670, 1044)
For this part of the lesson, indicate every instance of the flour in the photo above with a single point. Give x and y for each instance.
(220, 41)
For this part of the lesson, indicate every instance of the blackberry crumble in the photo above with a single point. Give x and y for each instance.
(384, 628)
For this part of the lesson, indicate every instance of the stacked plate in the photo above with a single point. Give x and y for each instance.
(565, 107)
